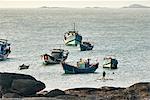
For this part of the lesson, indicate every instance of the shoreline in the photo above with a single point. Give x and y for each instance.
(26, 87)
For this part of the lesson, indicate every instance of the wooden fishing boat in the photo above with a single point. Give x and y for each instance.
(72, 38)
(110, 62)
(57, 55)
(81, 68)
(4, 49)
(85, 46)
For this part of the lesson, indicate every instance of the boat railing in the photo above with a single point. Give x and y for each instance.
(3, 40)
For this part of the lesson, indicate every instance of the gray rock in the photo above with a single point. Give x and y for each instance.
(0, 91)
(7, 78)
(69, 97)
(19, 83)
(11, 95)
(27, 87)
(55, 93)
(138, 90)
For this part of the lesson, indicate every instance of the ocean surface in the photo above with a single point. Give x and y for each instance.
(123, 33)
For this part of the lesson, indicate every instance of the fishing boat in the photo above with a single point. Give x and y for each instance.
(4, 49)
(72, 38)
(110, 62)
(57, 55)
(82, 67)
(85, 46)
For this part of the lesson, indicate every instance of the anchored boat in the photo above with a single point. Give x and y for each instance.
(85, 46)
(57, 55)
(110, 62)
(4, 49)
(23, 66)
(72, 38)
(82, 67)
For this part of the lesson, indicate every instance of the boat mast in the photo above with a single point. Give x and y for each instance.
(74, 27)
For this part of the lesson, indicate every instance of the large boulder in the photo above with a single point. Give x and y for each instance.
(20, 84)
(27, 87)
(7, 78)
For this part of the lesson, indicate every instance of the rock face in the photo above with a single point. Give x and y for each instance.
(11, 95)
(55, 93)
(137, 91)
(19, 85)
(7, 78)
(27, 87)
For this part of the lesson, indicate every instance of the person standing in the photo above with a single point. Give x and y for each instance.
(104, 74)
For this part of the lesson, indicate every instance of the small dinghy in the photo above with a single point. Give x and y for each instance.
(85, 46)
(57, 55)
(110, 62)
(4, 49)
(82, 67)
(23, 66)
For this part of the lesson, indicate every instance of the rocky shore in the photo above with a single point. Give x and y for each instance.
(26, 87)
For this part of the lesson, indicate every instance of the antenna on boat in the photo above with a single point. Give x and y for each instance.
(74, 26)
(60, 46)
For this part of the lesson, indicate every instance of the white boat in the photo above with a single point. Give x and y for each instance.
(57, 56)
(4, 49)
(110, 62)
(72, 38)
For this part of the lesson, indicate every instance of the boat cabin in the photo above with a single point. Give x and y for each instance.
(70, 33)
(4, 46)
(110, 62)
(57, 53)
(87, 43)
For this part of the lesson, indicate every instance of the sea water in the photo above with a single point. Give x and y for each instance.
(123, 33)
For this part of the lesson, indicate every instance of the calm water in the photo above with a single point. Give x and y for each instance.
(124, 33)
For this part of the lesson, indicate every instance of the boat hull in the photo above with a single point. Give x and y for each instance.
(73, 40)
(4, 49)
(52, 60)
(4, 56)
(85, 48)
(69, 69)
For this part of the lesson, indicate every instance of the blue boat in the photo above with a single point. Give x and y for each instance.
(4, 49)
(88, 68)
(85, 46)
(72, 38)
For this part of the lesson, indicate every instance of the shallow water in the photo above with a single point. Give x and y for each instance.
(124, 33)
